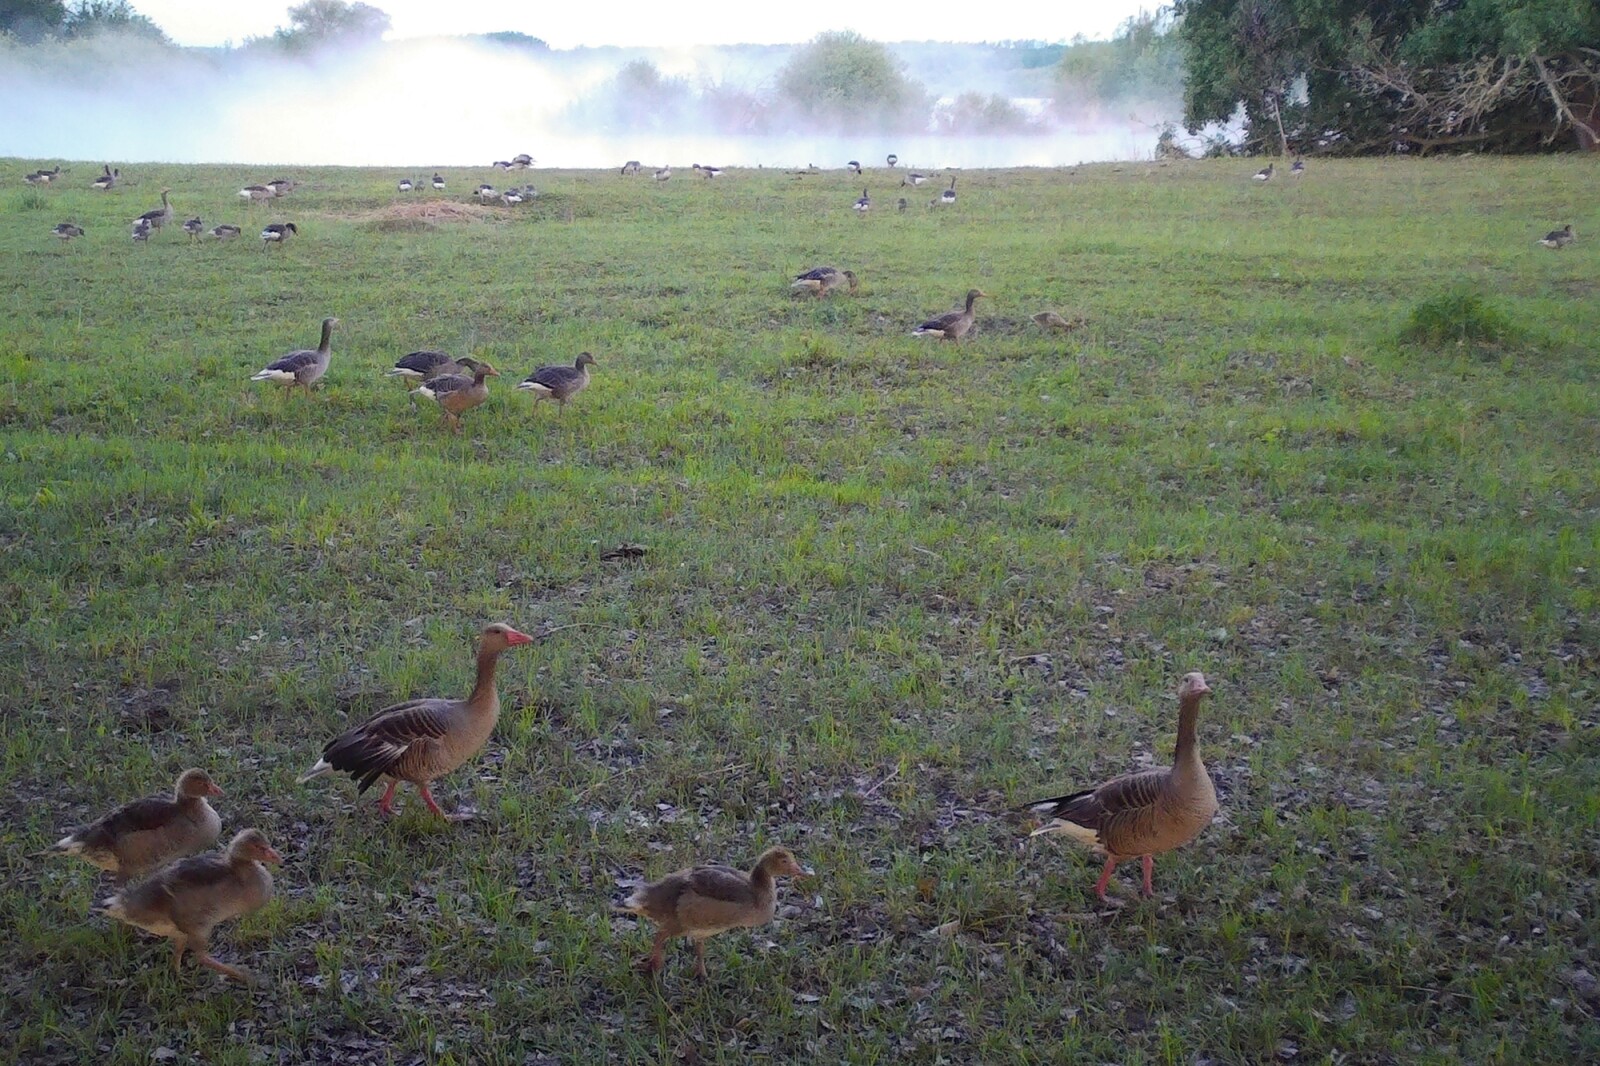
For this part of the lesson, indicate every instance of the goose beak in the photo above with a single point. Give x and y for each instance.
(514, 637)
(213, 790)
(271, 855)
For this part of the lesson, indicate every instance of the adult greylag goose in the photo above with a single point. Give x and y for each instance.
(501, 164)
(304, 367)
(66, 231)
(281, 186)
(405, 185)
(485, 193)
(913, 179)
(819, 281)
(141, 230)
(149, 833)
(511, 197)
(854, 166)
(225, 232)
(1145, 813)
(456, 394)
(707, 172)
(194, 227)
(1264, 174)
(426, 363)
(559, 383)
(254, 193)
(892, 160)
(42, 177)
(184, 902)
(631, 167)
(277, 233)
(863, 205)
(703, 901)
(948, 197)
(522, 160)
(438, 183)
(664, 173)
(107, 180)
(422, 740)
(953, 325)
(159, 216)
(1559, 238)
(1297, 169)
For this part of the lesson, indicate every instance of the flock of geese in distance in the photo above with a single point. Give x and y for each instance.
(150, 846)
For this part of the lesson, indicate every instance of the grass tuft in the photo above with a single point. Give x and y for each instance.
(1459, 315)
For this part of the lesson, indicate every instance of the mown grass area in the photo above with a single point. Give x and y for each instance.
(893, 587)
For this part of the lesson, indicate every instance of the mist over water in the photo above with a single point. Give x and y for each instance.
(448, 102)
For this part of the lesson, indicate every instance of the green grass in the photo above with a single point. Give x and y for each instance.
(893, 587)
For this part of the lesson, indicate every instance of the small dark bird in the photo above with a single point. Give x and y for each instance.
(225, 232)
(1559, 238)
(900, 205)
(107, 180)
(141, 230)
(66, 231)
(193, 227)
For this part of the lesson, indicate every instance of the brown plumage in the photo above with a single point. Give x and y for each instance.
(953, 325)
(820, 281)
(148, 833)
(705, 900)
(456, 394)
(1051, 320)
(1142, 814)
(422, 740)
(188, 899)
(160, 216)
(559, 383)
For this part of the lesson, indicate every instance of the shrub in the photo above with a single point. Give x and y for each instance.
(1456, 316)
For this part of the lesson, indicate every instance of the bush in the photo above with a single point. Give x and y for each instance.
(1456, 316)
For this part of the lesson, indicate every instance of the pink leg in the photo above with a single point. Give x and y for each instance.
(386, 804)
(427, 797)
(1149, 868)
(1105, 879)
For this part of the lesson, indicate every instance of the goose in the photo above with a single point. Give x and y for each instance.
(664, 174)
(708, 172)
(511, 197)
(226, 231)
(149, 833)
(529, 192)
(141, 230)
(1297, 168)
(253, 193)
(1559, 238)
(1051, 320)
(405, 185)
(854, 166)
(159, 216)
(107, 180)
(1145, 813)
(703, 901)
(630, 167)
(184, 902)
(278, 232)
(422, 740)
(900, 205)
(456, 394)
(424, 364)
(66, 231)
(485, 193)
(559, 383)
(1264, 174)
(949, 195)
(820, 281)
(281, 186)
(438, 183)
(914, 179)
(194, 227)
(893, 159)
(304, 367)
(501, 164)
(952, 325)
(42, 177)
(863, 205)
(522, 160)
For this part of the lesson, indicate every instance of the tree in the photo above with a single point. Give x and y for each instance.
(1373, 75)
(973, 112)
(641, 97)
(844, 80)
(31, 20)
(321, 22)
(87, 18)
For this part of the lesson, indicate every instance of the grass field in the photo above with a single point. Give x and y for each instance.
(893, 587)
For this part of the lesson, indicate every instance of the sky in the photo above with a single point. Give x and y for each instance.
(632, 22)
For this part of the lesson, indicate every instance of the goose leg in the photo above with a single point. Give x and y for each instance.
(653, 962)
(700, 958)
(179, 946)
(242, 976)
(427, 797)
(386, 804)
(1149, 868)
(1105, 879)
